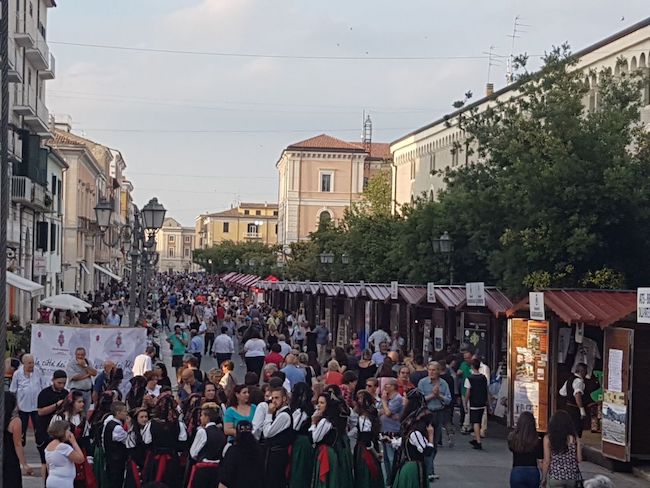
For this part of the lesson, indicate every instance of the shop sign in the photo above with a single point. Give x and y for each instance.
(431, 292)
(394, 290)
(643, 305)
(475, 294)
(536, 304)
(40, 266)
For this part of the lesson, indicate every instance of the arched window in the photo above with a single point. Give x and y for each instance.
(633, 63)
(642, 60)
(325, 217)
(431, 195)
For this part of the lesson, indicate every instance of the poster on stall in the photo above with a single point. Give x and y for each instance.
(438, 343)
(614, 424)
(526, 399)
(426, 338)
(53, 346)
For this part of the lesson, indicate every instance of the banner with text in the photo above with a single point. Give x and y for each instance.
(53, 346)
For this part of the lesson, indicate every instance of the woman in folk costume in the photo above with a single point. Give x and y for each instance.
(416, 443)
(343, 449)
(367, 466)
(101, 412)
(168, 434)
(326, 473)
(207, 448)
(72, 411)
(137, 447)
(302, 452)
(191, 409)
(243, 463)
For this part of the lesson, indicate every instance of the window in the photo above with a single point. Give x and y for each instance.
(170, 252)
(325, 217)
(276, 229)
(275, 213)
(41, 235)
(412, 170)
(188, 239)
(258, 212)
(29, 76)
(226, 227)
(247, 212)
(252, 229)
(365, 183)
(432, 162)
(187, 252)
(326, 183)
(171, 239)
(53, 187)
(53, 232)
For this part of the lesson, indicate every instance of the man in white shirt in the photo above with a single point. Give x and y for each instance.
(223, 346)
(284, 347)
(112, 318)
(277, 430)
(114, 441)
(143, 362)
(26, 383)
(573, 390)
(377, 337)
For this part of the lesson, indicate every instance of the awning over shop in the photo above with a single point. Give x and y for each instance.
(332, 289)
(31, 287)
(378, 292)
(592, 307)
(84, 268)
(108, 273)
(352, 290)
(227, 276)
(413, 295)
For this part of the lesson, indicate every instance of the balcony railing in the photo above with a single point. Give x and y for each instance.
(253, 235)
(39, 53)
(15, 58)
(29, 193)
(39, 121)
(24, 100)
(50, 72)
(26, 31)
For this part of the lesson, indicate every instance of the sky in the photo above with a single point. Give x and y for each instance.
(203, 128)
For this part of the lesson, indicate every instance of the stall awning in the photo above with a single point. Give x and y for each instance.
(378, 292)
(84, 268)
(592, 307)
(227, 276)
(31, 287)
(251, 281)
(412, 295)
(352, 290)
(332, 289)
(108, 273)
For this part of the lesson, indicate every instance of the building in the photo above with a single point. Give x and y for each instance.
(176, 245)
(320, 177)
(95, 171)
(30, 66)
(248, 222)
(419, 155)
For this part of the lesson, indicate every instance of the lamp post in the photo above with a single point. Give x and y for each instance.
(445, 245)
(237, 263)
(140, 237)
(211, 268)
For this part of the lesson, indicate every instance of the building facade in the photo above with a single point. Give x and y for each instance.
(176, 245)
(420, 155)
(248, 222)
(319, 178)
(30, 66)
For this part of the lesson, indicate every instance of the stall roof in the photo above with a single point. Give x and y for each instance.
(227, 276)
(377, 292)
(332, 289)
(352, 290)
(592, 307)
(413, 295)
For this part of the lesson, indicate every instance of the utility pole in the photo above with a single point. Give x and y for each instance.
(4, 207)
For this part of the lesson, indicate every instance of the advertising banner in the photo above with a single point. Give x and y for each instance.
(53, 346)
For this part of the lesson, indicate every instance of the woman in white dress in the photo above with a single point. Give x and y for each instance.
(61, 455)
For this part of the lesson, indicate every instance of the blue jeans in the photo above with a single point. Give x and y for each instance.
(389, 457)
(524, 477)
(437, 437)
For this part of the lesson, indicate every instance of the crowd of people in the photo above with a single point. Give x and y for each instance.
(304, 415)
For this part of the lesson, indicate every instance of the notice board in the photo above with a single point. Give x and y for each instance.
(529, 370)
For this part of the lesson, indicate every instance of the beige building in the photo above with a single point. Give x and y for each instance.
(249, 222)
(95, 171)
(419, 156)
(175, 244)
(319, 178)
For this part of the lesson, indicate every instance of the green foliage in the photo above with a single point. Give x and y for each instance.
(225, 255)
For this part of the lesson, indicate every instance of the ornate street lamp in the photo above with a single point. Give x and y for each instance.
(153, 214)
(103, 213)
(345, 259)
(327, 258)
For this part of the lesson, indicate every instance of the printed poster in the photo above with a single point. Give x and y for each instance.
(614, 423)
(526, 399)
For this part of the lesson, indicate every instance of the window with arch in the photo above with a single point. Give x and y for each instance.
(325, 217)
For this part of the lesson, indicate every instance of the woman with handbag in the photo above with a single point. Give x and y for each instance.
(562, 454)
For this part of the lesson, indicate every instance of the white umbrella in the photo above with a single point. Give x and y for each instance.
(66, 302)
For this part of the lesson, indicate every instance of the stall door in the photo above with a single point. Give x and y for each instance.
(617, 407)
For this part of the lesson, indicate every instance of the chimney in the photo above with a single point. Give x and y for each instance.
(63, 123)
(489, 89)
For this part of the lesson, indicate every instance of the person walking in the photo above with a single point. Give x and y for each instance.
(476, 395)
(179, 342)
(562, 453)
(322, 339)
(254, 352)
(144, 362)
(223, 346)
(527, 448)
(436, 395)
(49, 400)
(26, 384)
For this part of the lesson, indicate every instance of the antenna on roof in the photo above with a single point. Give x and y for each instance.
(516, 30)
(366, 136)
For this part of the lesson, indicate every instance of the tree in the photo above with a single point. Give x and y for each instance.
(376, 197)
(254, 257)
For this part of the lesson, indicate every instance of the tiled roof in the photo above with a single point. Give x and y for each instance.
(231, 212)
(378, 150)
(259, 205)
(64, 139)
(324, 141)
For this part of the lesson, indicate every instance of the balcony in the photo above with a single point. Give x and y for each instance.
(38, 53)
(30, 194)
(50, 72)
(26, 32)
(15, 58)
(39, 121)
(24, 100)
(252, 235)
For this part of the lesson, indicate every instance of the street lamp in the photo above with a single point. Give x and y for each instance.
(445, 245)
(345, 259)
(237, 263)
(210, 263)
(153, 214)
(327, 258)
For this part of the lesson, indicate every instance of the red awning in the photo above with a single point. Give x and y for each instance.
(592, 307)
(227, 276)
(271, 278)
(450, 296)
(413, 295)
